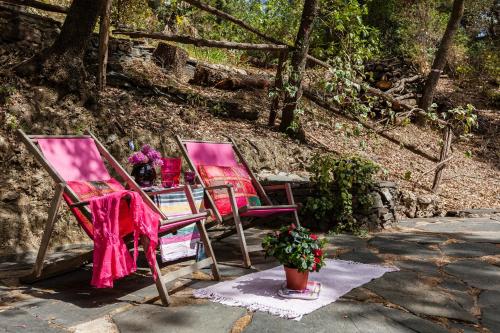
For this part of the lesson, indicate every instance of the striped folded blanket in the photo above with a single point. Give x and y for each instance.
(176, 204)
(186, 241)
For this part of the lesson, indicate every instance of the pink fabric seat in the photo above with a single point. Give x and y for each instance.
(75, 159)
(78, 159)
(219, 154)
(223, 155)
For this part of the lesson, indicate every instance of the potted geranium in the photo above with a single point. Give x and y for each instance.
(144, 162)
(298, 250)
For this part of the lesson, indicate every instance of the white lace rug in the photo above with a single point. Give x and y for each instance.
(258, 291)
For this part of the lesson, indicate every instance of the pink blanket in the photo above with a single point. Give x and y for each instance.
(110, 215)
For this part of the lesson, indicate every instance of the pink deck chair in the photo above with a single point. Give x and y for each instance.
(227, 154)
(77, 159)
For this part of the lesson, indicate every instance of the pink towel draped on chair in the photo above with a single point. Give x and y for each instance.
(111, 257)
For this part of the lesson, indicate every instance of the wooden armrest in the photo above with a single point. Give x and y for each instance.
(276, 187)
(164, 191)
(219, 187)
(183, 218)
(171, 190)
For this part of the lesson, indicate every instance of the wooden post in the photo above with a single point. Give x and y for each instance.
(448, 135)
(278, 89)
(103, 43)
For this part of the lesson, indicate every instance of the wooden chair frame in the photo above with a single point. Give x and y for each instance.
(61, 188)
(236, 212)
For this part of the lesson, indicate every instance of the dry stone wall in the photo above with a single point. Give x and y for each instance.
(381, 215)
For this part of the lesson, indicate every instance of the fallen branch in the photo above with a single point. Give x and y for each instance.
(200, 42)
(38, 5)
(405, 96)
(437, 166)
(401, 84)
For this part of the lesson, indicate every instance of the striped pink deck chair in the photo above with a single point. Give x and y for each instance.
(77, 166)
(232, 189)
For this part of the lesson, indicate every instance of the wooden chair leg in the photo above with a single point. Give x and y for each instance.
(160, 284)
(239, 229)
(291, 201)
(49, 228)
(203, 233)
(208, 249)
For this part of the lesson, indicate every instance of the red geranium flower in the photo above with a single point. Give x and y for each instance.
(314, 267)
(314, 237)
(318, 253)
(292, 226)
(317, 260)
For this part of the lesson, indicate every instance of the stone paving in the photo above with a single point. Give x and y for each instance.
(449, 281)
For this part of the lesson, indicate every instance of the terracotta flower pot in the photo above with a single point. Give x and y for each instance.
(296, 280)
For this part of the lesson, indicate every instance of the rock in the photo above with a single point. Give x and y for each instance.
(469, 250)
(402, 248)
(425, 199)
(171, 57)
(112, 138)
(208, 317)
(4, 144)
(189, 116)
(409, 203)
(377, 200)
(476, 273)
(386, 194)
(408, 291)
(419, 266)
(388, 217)
(16, 320)
(9, 196)
(45, 96)
(489, 302)
(346, 317)
(364, 256)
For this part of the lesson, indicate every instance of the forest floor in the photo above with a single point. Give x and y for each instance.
(468, 182)
(143, 115)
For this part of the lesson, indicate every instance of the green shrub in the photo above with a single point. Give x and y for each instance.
(343, 188)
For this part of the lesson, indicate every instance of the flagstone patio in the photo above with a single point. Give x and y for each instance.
(449, 281)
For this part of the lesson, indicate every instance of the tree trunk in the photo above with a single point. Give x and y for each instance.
(278, 89)
(103, 43)
(298, 63)
(62, 63)
(441, 55)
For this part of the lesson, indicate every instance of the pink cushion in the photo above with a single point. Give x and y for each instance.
(219, 154)
(75, 159)
(268, 211)
(238, 177)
